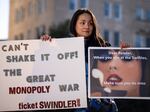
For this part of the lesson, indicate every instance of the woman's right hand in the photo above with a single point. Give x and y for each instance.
(124, 45)
(46, 38)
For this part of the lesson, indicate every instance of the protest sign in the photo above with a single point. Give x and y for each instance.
(119, 73)
(38, 75)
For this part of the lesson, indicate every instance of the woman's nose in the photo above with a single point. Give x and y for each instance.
(87, 25)
(112, 68)
(113, 65)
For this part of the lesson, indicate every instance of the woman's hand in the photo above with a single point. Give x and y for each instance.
(124, 45)
(46, 38)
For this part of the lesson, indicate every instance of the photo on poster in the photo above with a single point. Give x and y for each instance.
(119, 73)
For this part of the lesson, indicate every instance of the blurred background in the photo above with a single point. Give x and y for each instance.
(126, 20)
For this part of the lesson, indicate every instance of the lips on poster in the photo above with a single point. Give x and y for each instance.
(120, 73)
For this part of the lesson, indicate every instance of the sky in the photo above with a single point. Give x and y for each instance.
(4, 19)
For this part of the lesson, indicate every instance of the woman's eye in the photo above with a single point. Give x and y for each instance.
(82, 23)
(91, 23)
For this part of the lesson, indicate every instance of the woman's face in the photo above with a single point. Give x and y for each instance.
(84, 25)
(121, 72)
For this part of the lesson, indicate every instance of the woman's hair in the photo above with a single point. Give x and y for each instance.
(95, 32)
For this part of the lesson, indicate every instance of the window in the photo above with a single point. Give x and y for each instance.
(106, 35)
(84, 3)
(148, 15)
(29, 34)
(30, 8)
(107, 9)
(139, 13)
(148, 42)
(21, 36)
(139, 41)
(72, 5)
(19, 14)
(117, 11)
(41, 6)
(116, 38)
(22, 13)
(16, 37)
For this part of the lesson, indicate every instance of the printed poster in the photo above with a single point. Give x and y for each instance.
(119, 73)
(39, 75)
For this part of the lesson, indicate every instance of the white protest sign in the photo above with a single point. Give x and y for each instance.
(38, 75)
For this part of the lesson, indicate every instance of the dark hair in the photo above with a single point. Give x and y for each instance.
(95, 32)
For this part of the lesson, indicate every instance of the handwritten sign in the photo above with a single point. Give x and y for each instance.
(119, 73)
(37, 75)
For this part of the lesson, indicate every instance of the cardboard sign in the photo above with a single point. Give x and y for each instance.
(119, 73)
(39, 75)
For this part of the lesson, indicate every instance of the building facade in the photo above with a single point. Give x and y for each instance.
(126, 20)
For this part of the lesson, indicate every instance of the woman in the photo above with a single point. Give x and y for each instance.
(83, 24)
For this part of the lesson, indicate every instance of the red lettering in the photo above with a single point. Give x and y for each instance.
(29, 89)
